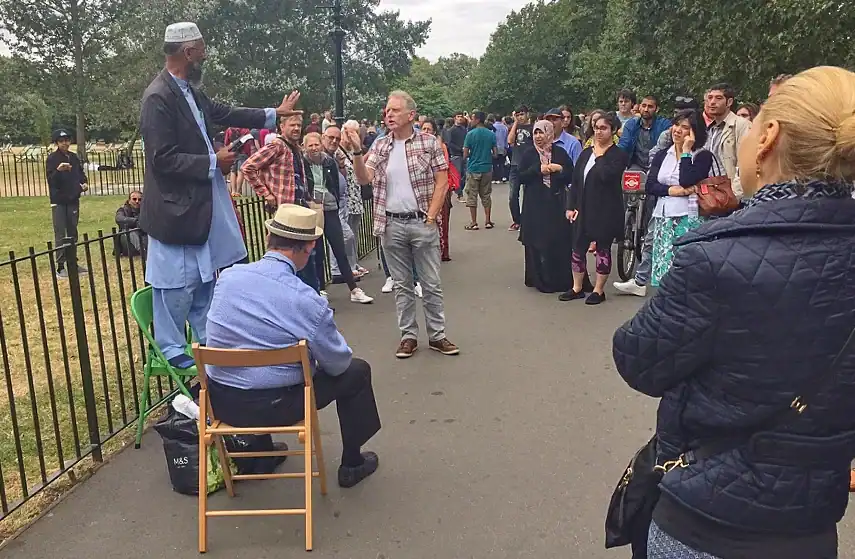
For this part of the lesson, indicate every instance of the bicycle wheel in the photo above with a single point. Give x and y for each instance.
(626, 248)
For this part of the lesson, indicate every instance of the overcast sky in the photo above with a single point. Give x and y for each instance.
(458, 25)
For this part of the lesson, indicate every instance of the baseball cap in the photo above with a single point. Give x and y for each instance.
(60, 135)
(552, 112)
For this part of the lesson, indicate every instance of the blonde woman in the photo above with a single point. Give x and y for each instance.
(751, 315)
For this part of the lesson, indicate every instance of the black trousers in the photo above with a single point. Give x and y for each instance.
(65, 218)
(271, 407)
(334, 235)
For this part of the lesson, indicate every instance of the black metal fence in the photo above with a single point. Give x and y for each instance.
(72, 355)
(109, 171)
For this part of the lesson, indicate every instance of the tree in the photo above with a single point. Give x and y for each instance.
(66, 39)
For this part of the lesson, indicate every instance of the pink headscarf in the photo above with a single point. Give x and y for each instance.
(545, 154)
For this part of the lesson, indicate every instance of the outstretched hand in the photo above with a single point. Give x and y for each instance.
(288, 103)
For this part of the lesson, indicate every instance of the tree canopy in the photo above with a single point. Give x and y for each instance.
(257, 52)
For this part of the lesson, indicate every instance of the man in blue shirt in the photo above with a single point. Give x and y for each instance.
(562, 138)
(500, 168)
(264, 305)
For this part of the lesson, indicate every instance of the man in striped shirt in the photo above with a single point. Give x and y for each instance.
(409, 172)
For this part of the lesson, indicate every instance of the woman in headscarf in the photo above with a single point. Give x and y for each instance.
(596, 208)
(545, 173)
(429, 127)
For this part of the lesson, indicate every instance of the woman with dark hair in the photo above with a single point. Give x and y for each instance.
(673, 175)
(595, 207)
(429, 127)
(748, 110)
(545, 173)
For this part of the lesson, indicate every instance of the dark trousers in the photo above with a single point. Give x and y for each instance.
(459, 164)
(334, 235)
(65, 218)
(309, 274)
(352, 392)
(514, 191)
(500, 168)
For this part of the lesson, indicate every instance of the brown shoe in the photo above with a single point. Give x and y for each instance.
(445, 347)
(407, 348)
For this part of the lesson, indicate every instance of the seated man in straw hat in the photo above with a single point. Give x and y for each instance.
(264, 305)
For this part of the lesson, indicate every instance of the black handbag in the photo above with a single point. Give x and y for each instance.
(631, 506)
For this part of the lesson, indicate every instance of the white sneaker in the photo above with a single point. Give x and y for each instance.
(324, 294)
(387, 287)
(359, 296)
(363, 271)
(418, 290)
(630, 288)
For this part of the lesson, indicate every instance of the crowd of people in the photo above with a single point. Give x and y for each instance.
(745, 342)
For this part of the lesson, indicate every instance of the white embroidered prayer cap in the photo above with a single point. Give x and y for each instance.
(182, 32)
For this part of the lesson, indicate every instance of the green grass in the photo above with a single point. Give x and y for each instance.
(26, 221)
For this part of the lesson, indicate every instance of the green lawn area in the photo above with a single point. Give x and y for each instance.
(26, 221)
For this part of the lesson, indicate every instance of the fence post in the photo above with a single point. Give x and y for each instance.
(70, 248)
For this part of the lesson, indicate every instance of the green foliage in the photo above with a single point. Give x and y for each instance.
(24, 119)
(578, 52)
(440, 88)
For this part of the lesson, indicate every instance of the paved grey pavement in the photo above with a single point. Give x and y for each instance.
(508, 450)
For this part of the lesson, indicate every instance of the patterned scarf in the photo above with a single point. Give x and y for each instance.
(809, 190)
(546, 153)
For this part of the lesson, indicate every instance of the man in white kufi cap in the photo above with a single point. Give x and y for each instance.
(187, 210)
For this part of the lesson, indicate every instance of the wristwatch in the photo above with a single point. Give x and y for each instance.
(429, 219)
(355, 153)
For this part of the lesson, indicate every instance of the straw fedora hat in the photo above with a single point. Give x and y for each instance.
(295, 222)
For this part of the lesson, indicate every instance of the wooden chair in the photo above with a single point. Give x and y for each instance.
(307, 431)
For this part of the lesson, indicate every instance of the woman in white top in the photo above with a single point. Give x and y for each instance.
(672, 177)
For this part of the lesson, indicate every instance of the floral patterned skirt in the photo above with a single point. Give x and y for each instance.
(665, 231)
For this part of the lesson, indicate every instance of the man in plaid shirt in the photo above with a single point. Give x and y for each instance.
(410, 176)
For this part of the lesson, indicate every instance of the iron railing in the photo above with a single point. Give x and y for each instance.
(72, 355)
(108, 171)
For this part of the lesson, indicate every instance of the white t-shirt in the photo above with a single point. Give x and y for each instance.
(400, 196)
(589, 165)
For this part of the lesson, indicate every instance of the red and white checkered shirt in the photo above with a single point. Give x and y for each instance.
(270, 170)
(424, 158)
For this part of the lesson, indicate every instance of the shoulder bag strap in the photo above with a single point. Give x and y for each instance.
(797, 407)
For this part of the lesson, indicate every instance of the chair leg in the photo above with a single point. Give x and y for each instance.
(319, 450)
(143, 414)
(308, 477)
(203, 494)
(224, 464)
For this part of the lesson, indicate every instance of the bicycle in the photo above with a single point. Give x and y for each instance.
(635, 223)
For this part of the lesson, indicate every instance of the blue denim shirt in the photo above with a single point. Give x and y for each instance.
(571, 145)
(176, 266)
(264, 305)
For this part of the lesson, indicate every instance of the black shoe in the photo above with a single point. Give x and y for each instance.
(595, 298)
(350, 476)
(571, 295)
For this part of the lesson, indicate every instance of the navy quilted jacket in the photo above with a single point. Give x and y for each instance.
(754, 306)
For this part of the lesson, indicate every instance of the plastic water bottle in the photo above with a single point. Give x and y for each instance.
(185, 406)
(693, 206)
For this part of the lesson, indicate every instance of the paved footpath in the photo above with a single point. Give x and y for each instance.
(509, 450)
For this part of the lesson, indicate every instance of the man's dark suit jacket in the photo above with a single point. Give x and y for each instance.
(178, 199)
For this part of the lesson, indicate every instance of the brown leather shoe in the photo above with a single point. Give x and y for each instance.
(407, 348)
(445, 347)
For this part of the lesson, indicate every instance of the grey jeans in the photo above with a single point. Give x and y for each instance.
(65, 218)
(642, 273)
(408, 243)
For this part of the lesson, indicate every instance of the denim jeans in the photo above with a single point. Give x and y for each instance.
(386, 266)
(642, 273)
(412, 246)
(514, 179)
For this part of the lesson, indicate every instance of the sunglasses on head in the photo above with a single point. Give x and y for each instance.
(684, 100)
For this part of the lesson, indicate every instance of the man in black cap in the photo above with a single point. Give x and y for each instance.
(66, 182)
(454, 138)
